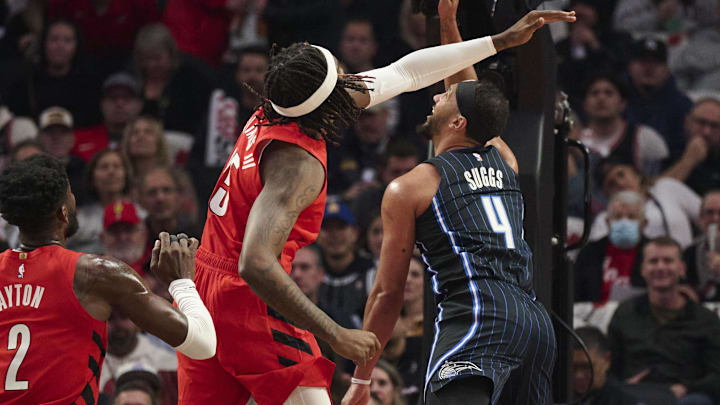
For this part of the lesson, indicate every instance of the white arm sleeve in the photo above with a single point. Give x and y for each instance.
(201, 341)
(424, 67)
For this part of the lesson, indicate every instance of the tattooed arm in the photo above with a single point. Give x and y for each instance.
(292, 179)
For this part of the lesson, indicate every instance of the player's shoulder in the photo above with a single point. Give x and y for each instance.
(103, 274)
(413, 190)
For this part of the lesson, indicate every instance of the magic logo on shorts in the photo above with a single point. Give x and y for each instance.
(452, 369)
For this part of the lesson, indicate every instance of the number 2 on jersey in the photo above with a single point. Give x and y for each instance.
(22, 332)
(497, 216)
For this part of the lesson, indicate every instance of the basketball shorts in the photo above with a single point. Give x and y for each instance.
(497, 331)
(259, 354)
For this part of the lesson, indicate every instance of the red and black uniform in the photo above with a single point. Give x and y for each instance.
(259, 354)
(51, 349)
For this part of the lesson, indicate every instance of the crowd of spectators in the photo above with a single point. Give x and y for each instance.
(143, 100)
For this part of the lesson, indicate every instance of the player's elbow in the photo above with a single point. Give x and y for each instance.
(250, 265)
(206, 349)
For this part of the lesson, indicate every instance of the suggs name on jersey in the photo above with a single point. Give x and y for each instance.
(479, 177)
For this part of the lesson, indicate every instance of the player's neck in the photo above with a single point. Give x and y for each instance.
(33, 241)
(451, 143)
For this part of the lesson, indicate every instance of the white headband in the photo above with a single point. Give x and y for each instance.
(320, 95)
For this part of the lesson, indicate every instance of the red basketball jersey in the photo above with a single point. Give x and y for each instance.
(51, 349)
(240, 184)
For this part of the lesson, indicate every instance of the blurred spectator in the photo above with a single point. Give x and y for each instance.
(372, 235)
(134, 392)
(252, 66)
(399, 158)
(309, 274)
(670, 206)
(57, 138)
(128, 347)
(13, 130)
(173, 91)
(696, 63)
(230, 108)
(608, 135)
(61, 78)
(201, 28)
(605, 390)
(107, 179)
(160, 193)
(386, 386)
(307, 271)
(348, 276)
(124, 236)
(357, 45)
(120, 104)
(412, 27)
(109, 26)
(352, 165)
(699, 165)
(703, 257)
(10, 234)
(20, 43)
(25, 149)
(590, 48)
(313, 21)
(144, 145)
(654, 97)
(609, 268)
(664, 15)
(410, 363)
(664, 338)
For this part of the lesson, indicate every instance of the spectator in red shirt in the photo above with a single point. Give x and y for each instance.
(201, 27)
(120, 104)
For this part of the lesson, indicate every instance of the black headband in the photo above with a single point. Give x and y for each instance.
(465, 96)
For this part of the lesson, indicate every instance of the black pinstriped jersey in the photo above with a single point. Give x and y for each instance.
(474, 226)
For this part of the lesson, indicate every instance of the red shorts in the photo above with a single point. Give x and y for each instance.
(258, 354)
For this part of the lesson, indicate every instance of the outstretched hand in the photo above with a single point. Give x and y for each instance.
(523, 30)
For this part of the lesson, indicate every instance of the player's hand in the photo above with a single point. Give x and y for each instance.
(447, 9)
(357, 345)
(173, 257)
(358, 394)
(523, 30)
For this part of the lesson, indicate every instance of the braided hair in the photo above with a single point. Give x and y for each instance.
(295, 73)
(31, 191)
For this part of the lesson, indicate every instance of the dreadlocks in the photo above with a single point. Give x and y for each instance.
(31, 191)
(295, 73)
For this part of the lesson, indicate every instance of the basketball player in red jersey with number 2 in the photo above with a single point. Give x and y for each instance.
(269, 202)
(54, 303)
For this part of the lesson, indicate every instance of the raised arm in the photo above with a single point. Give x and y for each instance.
(450, 34)
(292, 180)
(405, 198)
(104, 284)
(427, 66)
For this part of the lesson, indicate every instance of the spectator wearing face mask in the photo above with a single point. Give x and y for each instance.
(670, 206)
(609, 268)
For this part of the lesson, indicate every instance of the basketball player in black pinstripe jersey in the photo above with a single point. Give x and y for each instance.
(464, 210)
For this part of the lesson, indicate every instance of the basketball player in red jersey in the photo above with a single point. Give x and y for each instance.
(54, 303)
(269, 202)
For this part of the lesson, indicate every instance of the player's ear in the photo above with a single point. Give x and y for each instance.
(459, 122)
(63, 214)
